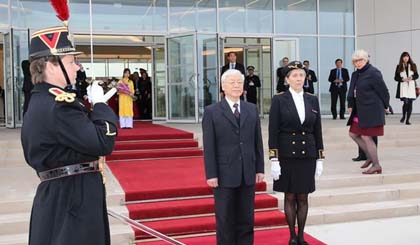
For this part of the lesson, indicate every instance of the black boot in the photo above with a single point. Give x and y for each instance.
(404, 111)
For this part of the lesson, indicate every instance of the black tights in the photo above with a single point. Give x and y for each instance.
(296, 205)
(407, 109)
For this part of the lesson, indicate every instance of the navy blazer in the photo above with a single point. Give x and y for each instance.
(232, 151)
(333, 76)
(288, 137)
(372, 97)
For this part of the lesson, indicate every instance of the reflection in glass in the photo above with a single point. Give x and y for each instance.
(207, 71)
(336, 17)
(192, 15)
(181, 78)
(332, 49)
(248, 16)
(159, 83)
(4, 14)
(295, 16)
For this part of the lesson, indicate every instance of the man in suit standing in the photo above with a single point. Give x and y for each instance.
(281, 84)
(232, 65)
(234, 160)
(338, 78)
(308, 86)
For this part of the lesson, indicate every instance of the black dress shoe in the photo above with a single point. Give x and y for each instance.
(358, 159)
(293, 242)
(407, 123)
(343, 117)
(302, 243)
(402, 119)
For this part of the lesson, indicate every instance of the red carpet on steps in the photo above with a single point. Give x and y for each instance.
(187, 207)
(163, 178)
(179, 172)
(150, 131)
(265, 237)
(207, 224)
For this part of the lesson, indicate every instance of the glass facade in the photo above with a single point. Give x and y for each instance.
(183, 43)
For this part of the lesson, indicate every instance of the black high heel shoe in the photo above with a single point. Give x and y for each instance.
(303, 243)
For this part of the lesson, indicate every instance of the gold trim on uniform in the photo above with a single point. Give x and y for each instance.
(61, 96)
(273, 153)
(101, 166)
(321, 154)
(108, 131)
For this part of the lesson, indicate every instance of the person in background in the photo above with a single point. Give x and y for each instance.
(27, 84)
(231, 57)
(125, 100)
(145, 89)
(310, 79)
(338, 88)
(252, 82)
(281, 83)
(405, 74)
(368, 100)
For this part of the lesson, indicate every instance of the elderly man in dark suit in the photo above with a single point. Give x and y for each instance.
(338, 78)
(308, 86)
(232, 65)
(234, 161)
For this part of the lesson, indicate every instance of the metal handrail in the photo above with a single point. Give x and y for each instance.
(144, 228)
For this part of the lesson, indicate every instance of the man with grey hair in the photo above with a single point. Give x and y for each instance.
(234, 160)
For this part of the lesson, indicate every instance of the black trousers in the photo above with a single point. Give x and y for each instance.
(235, 215)
(335, 94)
(362, 153)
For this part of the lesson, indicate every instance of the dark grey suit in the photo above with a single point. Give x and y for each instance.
(233, 153)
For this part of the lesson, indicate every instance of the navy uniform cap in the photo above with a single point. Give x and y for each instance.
(250, 68)
(52, 41)
(295, 65)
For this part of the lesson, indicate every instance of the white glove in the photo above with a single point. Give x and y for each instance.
(96, 93)
(275, 168)
(319, 167)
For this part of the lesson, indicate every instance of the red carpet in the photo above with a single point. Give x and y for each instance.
(265, 237)
(175, 168)
(163, 178)
(207, 224)
(187, 207)
(158, 144)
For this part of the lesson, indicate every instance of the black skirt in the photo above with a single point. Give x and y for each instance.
(297, 176)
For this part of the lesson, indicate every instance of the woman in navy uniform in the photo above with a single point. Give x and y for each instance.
(295, 141)
(62, 143)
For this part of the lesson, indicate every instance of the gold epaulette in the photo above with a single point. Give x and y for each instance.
(61, 95)
(310, 94)
(280, 93)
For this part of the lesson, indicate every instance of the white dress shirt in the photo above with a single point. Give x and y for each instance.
(231, 103)
(232, 66)
(299, 103)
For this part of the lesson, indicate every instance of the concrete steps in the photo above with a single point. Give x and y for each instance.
(354, 198)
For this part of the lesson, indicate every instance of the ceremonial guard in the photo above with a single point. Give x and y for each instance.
(62, 143)
(295, 142)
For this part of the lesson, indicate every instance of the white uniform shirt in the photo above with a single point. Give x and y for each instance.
(299, 103)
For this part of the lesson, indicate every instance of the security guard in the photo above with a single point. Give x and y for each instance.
(295, 142)
(62, 143)
(252, 82)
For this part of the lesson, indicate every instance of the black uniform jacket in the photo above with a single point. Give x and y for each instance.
(288, 138)
(232, 151)
(372, 97)
(333, 76)
(69, 210)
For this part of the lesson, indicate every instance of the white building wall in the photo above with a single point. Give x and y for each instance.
(386, 28)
